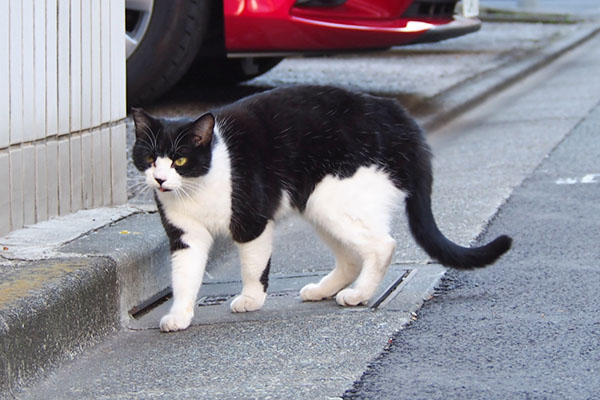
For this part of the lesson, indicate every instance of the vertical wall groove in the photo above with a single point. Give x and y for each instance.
(62, 108)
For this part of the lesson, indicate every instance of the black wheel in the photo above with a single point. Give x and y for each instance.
(228, 71)
(163, 38)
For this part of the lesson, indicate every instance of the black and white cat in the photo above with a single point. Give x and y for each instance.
(342, 160)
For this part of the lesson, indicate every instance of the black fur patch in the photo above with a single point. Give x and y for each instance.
(173, 233)
(291, 138)
(264, 277)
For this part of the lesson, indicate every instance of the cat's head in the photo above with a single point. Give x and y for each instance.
(168, 151)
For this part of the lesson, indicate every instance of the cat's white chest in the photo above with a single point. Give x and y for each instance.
(206, 201)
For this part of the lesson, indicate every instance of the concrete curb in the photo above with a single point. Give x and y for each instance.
(54, 307)
(465, 95)
(491, 14)
(70, 311)
(139, 248)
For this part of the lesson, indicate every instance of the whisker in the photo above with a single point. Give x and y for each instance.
(148, 132)
(179, 138)
(176, 193)
(142, 194)
(182, 191)
(149, 138)
(189, 191)
(145, 144)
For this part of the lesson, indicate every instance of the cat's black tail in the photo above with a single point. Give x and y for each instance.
(428, 236)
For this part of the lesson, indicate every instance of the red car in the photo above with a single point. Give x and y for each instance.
(227, 41)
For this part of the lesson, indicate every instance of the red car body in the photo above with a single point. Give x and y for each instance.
(230, 41)
(281, 26)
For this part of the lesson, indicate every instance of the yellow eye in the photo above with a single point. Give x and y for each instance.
(180, 162)
(150, 160)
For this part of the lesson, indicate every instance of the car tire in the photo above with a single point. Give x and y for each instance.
(169, 45)
(206, 72)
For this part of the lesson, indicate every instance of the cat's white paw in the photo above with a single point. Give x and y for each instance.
(312, 292)
(175, 322)
(351, 297)
(244, 303)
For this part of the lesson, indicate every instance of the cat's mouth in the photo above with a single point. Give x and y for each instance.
(162, 189)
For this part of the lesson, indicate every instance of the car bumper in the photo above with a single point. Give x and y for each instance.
(286, 29)
(460, 26)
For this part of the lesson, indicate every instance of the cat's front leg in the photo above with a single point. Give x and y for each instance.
(188, 263)
(255, 257)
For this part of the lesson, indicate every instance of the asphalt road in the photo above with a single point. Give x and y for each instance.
(528, 327)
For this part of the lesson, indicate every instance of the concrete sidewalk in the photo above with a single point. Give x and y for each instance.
(64, 289)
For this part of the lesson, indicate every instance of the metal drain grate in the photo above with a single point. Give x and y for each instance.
(389, 291)
(145, 307)
(165, 295)
(389, 288)
(206, 301)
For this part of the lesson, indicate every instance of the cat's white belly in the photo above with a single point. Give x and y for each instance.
(285, 207)
(367, 199)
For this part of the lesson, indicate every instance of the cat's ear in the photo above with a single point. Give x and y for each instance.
(202, 129)
(143, 122)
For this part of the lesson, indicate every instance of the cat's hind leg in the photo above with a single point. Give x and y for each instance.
(377, 255)
(366, 256)
(255, 257)
(347, 268)
(357, 212)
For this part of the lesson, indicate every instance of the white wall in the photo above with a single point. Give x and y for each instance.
(62, 108)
